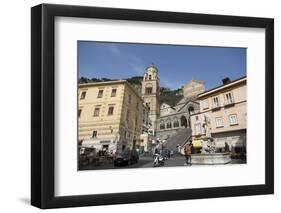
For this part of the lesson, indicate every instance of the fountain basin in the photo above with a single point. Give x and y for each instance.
(211, 158)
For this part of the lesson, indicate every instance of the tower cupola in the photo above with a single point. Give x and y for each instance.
(151, 73)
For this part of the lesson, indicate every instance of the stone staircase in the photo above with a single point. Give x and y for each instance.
(180, 137)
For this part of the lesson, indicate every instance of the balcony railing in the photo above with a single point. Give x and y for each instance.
(216, 107)
(229, 103)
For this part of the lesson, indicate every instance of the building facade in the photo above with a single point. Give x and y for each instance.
(174, 118)
(147, 136)
(223, 115)
(169, 124)
(110, 115)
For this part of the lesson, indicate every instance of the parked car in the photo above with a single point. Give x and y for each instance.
(126, 158)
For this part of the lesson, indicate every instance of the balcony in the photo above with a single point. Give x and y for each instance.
(216, 107)
(229, 103)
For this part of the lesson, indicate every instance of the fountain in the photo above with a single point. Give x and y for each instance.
(208, 155)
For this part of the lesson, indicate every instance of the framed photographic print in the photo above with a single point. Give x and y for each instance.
(141, 106)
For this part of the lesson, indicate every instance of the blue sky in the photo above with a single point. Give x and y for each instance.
(177, 64)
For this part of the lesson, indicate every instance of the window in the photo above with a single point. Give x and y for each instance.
(79, 113)
(233, 119)
(130, 99)
(128, 115)
(95, 133)
(229, 98)
(137, 106)
(196, 118)
(216, 101)
(110, 110)
(176, 123)
(205, 104)
(100, 94)
(197, 129)
(83, 95)
(149, 77)
(97, 112)
(219, 122)
(136, 123)
(113, 92)
(148, 90)
(191, 110)
(169, 125)
(162, 126)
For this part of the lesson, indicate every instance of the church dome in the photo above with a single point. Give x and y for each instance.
(152, 68)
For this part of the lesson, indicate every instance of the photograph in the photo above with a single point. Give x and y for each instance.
(135, 105)
(143, 105)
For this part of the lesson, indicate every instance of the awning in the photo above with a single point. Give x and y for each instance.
(238, 144)
(105, 142)
(96, 142)
(197, 143)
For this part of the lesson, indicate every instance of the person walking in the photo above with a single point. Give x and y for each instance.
(187, 153)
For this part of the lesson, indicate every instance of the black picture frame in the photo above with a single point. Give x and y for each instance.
(43, 105)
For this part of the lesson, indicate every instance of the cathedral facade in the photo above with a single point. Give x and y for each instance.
(174, 118)
(166, 120)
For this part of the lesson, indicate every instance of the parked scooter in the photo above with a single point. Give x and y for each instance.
(158, 160)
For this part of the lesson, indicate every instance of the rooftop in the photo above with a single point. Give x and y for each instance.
(223, 86)
(104, 83)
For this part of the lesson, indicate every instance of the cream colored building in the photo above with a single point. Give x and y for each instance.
(223, 115)
(145, 143)
(145, 138)
(110, 115)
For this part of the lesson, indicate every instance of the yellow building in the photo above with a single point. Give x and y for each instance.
(223, 116)
(110, 115)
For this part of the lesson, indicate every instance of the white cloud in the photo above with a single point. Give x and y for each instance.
(135, 63)
(115, 50)
(138, 69)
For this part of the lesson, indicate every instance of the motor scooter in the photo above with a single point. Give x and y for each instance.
(158, 160)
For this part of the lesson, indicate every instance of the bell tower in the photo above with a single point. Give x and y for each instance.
(150, 93)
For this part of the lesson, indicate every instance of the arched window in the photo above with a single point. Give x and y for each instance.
(176, 123)
(190, 110)
(183, 121)
(162, 125)
(169, 125)
(148, 90)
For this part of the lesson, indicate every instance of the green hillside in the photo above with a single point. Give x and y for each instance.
(169, 96)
